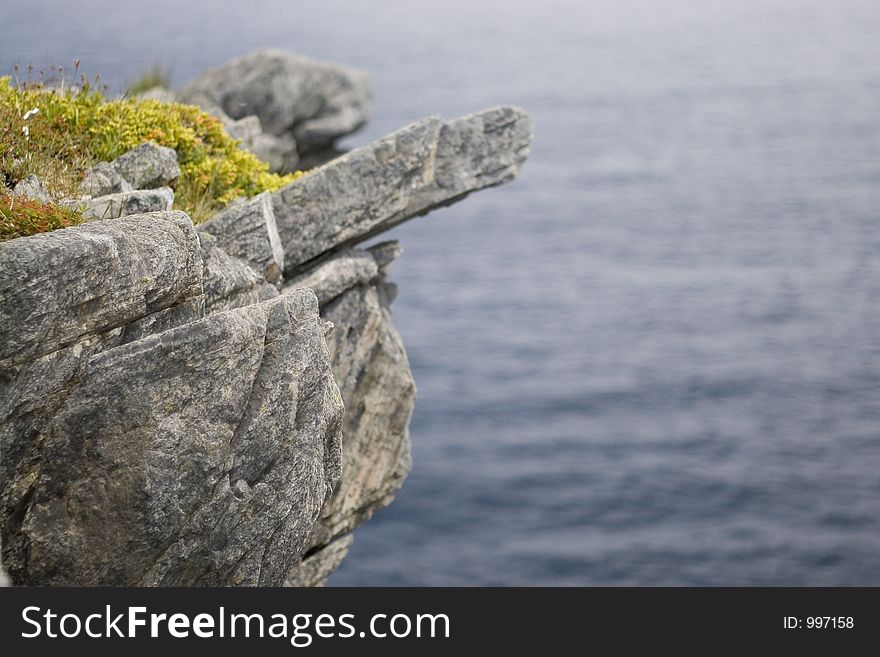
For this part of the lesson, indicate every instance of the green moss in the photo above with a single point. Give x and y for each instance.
(76, 129)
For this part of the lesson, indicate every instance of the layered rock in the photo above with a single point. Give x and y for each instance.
(171, 398)
(423, 166)
(143, 442)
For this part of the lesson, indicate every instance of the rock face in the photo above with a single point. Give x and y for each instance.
(152, 444)
(148, 166)
(171, 398)
(423, 166)
(247, 231)
(113, 206)
(312, 101)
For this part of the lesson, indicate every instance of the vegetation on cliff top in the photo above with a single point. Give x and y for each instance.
(58, 133)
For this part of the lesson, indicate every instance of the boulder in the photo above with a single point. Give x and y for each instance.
(313, 101)
(113, 206)
(103, 179)
(31, 187)
(423, 166)
(148, 166)
(198, 456)
(60, 287)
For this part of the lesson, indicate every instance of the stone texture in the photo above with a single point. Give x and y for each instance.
(148, 166)
(31, 187)
(373, 374)
(315, 568)
(384, 253)
(336, 204)
(423, 166)
(198, 456)
(60, 287)
(103, 179)
(314, 101)
(113, 206)
(335, 275)
(247, 230)
(230, 282)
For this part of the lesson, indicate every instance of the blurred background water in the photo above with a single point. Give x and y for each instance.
(655, 358)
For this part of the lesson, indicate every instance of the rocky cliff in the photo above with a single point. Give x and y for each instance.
(223, 403)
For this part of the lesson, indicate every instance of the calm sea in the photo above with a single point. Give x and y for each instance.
(655, 358)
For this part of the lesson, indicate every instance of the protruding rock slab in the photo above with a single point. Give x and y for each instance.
(423, 166)
(342, 201)
(337, 274)
(315, 568)
(198, 456)
(314, 101)
(247, 231)
(122, 204)
(60, 287)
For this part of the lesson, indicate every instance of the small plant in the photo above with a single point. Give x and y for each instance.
(155, 76)
(59, 132)
(20, 217)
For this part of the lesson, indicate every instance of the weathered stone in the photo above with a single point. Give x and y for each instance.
(373, 374)
(230, 282)
(103, 179)
(113, 206)
(148, 166)
(315, 101)
(423, 166)
(385, 252)
(60, 287)
(247, 231)
(315, 568)
(199, 456)
(335, 275)
(31, 187)
(335, 205)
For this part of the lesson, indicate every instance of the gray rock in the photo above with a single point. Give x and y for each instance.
(343, 200)
(373, 374)
(247, 230)
(385, 252)
(410, 172)
(158, 93)
(103, 179)
(148, 166)
(314, 101)
(278, 151)
(335, 275)
(315, 568)
(31, 187)
(230, 282)
(60, 287)
(198, 456)
(113, 206)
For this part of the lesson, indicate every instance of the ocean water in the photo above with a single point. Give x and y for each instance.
(655, 358)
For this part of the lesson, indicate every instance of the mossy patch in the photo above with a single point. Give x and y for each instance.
(75, 129)
(20, 217)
